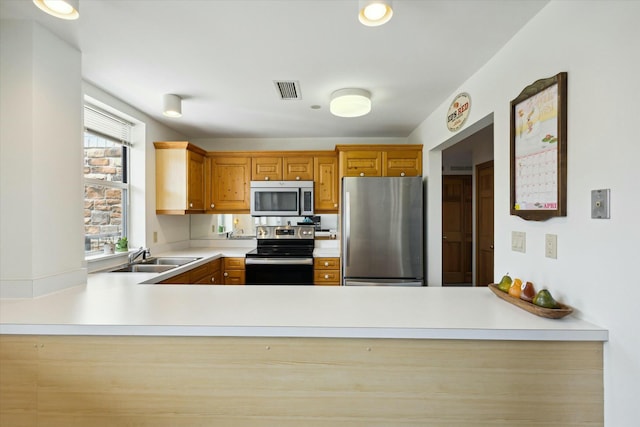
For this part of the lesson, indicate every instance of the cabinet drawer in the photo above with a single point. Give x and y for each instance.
(234, 277)
(326, 263)
(326, 277)
(234, 263)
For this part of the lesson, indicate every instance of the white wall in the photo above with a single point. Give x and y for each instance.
(597, 43)
(41, 158)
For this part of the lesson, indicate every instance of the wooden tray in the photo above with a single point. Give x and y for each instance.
(551, 313)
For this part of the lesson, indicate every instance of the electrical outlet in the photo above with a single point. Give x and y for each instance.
(519, 241)
(551, 246)
(155, 237)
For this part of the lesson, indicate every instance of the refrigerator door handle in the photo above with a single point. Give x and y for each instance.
(347, 226)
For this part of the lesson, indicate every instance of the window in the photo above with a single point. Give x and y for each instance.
(106, 183)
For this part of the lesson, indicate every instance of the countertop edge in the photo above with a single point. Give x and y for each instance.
(307, 332)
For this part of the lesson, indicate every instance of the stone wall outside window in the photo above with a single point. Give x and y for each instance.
(103, 206)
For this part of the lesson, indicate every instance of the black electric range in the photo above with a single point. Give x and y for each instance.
(283, 256)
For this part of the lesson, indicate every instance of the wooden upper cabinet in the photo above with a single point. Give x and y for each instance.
(326, 182)
(298, 168)
(179, 178)
(380, 160)
(402, 163)
(195, 181)
(227, 181)
(266, 169)
(271, 168)
(361, 163)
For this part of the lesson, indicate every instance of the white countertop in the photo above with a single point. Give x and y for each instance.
(116, 304)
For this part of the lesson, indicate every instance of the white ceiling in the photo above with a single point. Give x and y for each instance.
(222, 57)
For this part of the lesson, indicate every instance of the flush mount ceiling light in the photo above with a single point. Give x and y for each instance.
(375, 12)
(350, 102)
(63, 9)
(172, 106)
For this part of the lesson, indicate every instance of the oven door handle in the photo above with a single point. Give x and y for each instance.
(278, 261)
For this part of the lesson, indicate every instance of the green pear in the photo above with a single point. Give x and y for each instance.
(544, 299)
(505, 283)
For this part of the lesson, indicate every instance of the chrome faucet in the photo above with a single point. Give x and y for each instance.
(145, 252)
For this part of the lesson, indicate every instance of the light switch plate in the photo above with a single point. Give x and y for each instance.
(519, 241)
(551, 246)
(600, 203)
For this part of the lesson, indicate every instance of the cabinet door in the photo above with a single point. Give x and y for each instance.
(195, 182)
(361, 163)
(200, 275)
(227, 182)
(326, 182)
(402, 163)
(266, 169)
(180, 279)
(234, 271)
(211, 273)
(298, 168)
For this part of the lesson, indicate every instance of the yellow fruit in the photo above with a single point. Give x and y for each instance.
(516, 288)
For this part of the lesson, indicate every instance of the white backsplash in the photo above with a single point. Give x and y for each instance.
(216, 227)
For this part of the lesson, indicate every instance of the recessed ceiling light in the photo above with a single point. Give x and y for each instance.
(375, 12)
(63, 9)
(350, 102)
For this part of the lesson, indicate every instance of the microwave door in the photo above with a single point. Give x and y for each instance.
(275, 201)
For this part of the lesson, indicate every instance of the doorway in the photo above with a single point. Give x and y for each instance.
(484, 223)
(457, 230)
(467, 210)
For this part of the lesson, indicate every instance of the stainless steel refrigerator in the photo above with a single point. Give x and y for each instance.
(382, 231)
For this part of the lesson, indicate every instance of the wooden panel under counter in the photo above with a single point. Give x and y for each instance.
(149, 381)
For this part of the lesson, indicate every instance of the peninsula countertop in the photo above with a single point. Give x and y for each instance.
(117, 304)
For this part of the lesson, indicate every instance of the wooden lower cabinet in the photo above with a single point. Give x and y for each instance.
(326, 271)
(206, 274)
(234, 273)
(151, 381)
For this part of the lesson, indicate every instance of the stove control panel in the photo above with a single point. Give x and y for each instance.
(285, 232)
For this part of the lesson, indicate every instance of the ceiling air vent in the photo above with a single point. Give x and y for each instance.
(288, 89)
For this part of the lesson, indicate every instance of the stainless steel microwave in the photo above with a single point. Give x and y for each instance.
(281, 198)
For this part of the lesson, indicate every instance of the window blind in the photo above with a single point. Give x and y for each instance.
(107, 125)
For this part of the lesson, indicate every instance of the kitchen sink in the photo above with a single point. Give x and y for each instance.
(174, 261)
(143, 268)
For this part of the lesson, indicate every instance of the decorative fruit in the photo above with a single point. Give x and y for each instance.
(505, 283)
(516, 288)
(544, 299)
(528, 292)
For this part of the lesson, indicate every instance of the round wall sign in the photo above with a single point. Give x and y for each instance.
(458, 111)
